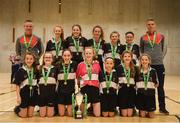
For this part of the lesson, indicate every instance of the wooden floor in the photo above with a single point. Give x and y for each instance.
(8, 101)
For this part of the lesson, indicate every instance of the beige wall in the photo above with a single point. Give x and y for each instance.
(120, 15)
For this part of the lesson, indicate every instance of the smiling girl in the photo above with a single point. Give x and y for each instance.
(88, 79)
(126, 94)
(26, 87)
(146, 84)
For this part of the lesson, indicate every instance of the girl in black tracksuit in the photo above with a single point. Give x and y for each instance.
(146, 83)
(76, 43)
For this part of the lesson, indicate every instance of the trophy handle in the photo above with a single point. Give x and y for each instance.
(73, 105)
(85, 105)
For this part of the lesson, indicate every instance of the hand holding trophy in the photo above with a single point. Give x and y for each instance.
(77, 100)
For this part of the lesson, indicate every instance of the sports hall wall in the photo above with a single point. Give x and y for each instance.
(120, 15)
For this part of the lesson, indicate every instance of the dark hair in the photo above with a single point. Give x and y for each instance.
(78, 27)
(62, 32)
(109, 58)
(132, 66)
(66, 50)
(28, 20)
(34, 57)
(129, 32)
(102, 32)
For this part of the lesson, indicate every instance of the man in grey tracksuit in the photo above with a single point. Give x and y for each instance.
(29, 42)
(153, 43)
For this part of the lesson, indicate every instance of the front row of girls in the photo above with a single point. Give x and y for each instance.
(126, 87)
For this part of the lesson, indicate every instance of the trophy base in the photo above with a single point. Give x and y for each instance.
(78, 115)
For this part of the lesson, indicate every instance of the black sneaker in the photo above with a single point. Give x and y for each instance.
(164, 111)
(17, 110)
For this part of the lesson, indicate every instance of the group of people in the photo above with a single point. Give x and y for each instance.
(109, 73)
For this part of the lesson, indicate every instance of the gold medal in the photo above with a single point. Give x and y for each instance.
(65, 82)
(128, 85)
(108, 91)
(30, 87)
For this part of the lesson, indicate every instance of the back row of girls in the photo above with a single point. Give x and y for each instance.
(50, 84)
(76, 43)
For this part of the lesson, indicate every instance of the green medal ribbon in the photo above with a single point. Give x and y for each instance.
(76, 44)
(66, 72)
(85, 104)
(108, 81)
(127, 74)
(30, 74)
(45, 76)
(113, 51)
(96, 46)
(27, 44)
(146, 78)
(131, 46)
(73, 105)
(154, 40)
(57, 46)
(89, 70)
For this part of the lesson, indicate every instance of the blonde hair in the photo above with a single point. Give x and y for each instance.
(144, 54)
(90, 47)
(44, 56)
(116, 32)
(62, 31)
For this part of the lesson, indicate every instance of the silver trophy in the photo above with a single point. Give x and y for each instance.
(77, 100)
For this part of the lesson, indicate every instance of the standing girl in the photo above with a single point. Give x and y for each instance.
(97, 42)
(108, 88)
(146, 84)
(87, 75)
(56, 45)
(114, 48)
(131, 46)
(47, 84)
(126, 94)
(26, 87)
(66, 83)
(76, 43)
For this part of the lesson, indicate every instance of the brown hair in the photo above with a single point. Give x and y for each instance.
(102, 32)
(62, 32)
(78, 27)
(66, 50)
(150, 19)
(34, 57)
(131, 65)
(28, 20)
